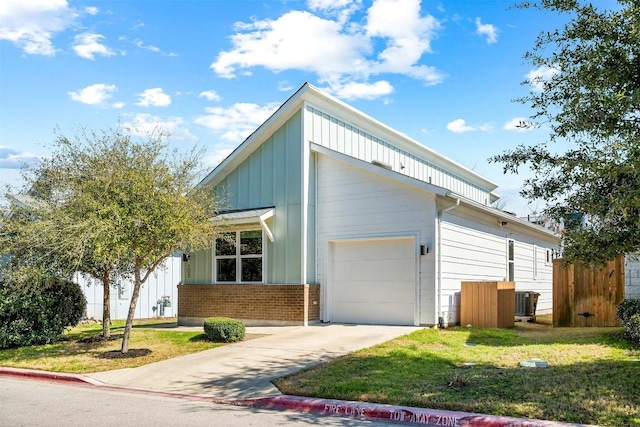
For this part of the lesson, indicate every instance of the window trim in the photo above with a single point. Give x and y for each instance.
(511, 260)
(238, 257)
(535, 262)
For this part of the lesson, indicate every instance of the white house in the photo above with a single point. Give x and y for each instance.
(632, 276)
(339, 218)
(158, 295)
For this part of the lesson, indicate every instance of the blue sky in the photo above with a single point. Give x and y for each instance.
(209, 72)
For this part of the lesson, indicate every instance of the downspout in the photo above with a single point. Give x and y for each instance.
(439, 250)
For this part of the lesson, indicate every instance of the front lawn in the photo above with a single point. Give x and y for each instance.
(80, 352)
(593, 375)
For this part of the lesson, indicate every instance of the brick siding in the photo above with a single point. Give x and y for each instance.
(254, 304)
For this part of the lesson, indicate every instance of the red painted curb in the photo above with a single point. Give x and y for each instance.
(44, 375)
(396, 414)
(372, 411)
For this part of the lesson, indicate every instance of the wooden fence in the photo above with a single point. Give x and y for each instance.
(584, 296)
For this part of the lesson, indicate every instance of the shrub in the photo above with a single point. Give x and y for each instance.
(38, 312)
(224, 329)
(629, 314)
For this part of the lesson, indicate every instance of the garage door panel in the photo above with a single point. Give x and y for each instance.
(374, 281)
(372, 292)
(369, 270)
(391, 314)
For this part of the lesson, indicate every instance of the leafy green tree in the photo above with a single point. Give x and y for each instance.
(105, 204)
(587, 93)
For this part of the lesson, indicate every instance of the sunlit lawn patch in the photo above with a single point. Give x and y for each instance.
(593, 375)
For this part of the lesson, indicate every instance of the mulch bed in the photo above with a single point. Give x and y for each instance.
(131, 354)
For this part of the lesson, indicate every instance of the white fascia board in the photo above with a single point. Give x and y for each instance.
(510, 219)
(260, 218)
(349, 114)
(379, 170)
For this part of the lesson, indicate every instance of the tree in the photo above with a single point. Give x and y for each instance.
(107, 204)
(589, 98)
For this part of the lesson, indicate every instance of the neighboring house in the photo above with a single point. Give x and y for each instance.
(340, 218)
(632, 276)
(158, 295)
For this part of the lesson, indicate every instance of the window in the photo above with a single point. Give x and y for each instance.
(510, 260)
(122, 290)
(239, 263)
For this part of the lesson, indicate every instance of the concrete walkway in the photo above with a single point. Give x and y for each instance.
(245, 370)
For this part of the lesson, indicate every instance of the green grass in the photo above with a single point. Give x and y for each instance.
(593, 375)
(74, 355)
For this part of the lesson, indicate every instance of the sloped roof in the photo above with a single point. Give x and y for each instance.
(311, 94)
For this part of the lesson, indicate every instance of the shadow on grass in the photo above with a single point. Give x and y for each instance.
(132, 353)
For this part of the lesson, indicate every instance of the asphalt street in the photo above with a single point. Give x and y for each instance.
(42, 403)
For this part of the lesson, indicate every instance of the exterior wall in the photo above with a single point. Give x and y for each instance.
(474, 248)
(632, 276)
(270, 176)
(253, 304)
(337, 135)
(354, 203)
(161, 283)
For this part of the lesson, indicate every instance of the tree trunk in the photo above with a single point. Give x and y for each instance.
(106, 306)
(132, 309)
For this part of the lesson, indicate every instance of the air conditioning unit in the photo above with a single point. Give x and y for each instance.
(526, 302)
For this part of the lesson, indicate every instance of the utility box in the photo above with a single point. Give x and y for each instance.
(526, 302)
(488, 304)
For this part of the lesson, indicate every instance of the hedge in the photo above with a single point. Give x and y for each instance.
(38, 312)
(224, 329)
(629, 314)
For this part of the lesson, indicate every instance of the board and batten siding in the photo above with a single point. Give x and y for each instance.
(472, 249)
(353, 203)
(344, 138)
(162, 282)
(270, 176)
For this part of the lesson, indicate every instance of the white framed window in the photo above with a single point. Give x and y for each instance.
(122, 290)
(238, 257)
(510, 260)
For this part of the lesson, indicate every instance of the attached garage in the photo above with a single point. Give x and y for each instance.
(373, 281)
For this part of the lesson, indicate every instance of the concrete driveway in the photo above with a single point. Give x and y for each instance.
(245, 370)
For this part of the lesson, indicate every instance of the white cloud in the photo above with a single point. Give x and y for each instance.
(92, 10)
(13, 159)
(460, 126)
(284, 86)
(87, 45)
(340, 51)
(117, 105)
(31, 25)
(488, 30)
(237, 122)
(145, 124)
(538, 77)
(210, 95)
(93, 95)
(220, 153)
(519, 124)
(139, 43)
(154, 98)
(354, 90)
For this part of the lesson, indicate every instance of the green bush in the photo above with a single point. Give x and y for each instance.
(223, 329)
(38, 312)
(629, 314)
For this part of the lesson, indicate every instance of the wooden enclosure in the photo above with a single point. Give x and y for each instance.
(488, 304)
(584, 296)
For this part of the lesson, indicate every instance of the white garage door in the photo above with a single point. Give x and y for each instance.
(373, 281)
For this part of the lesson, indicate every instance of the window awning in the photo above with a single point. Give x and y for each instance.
(248, 216)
